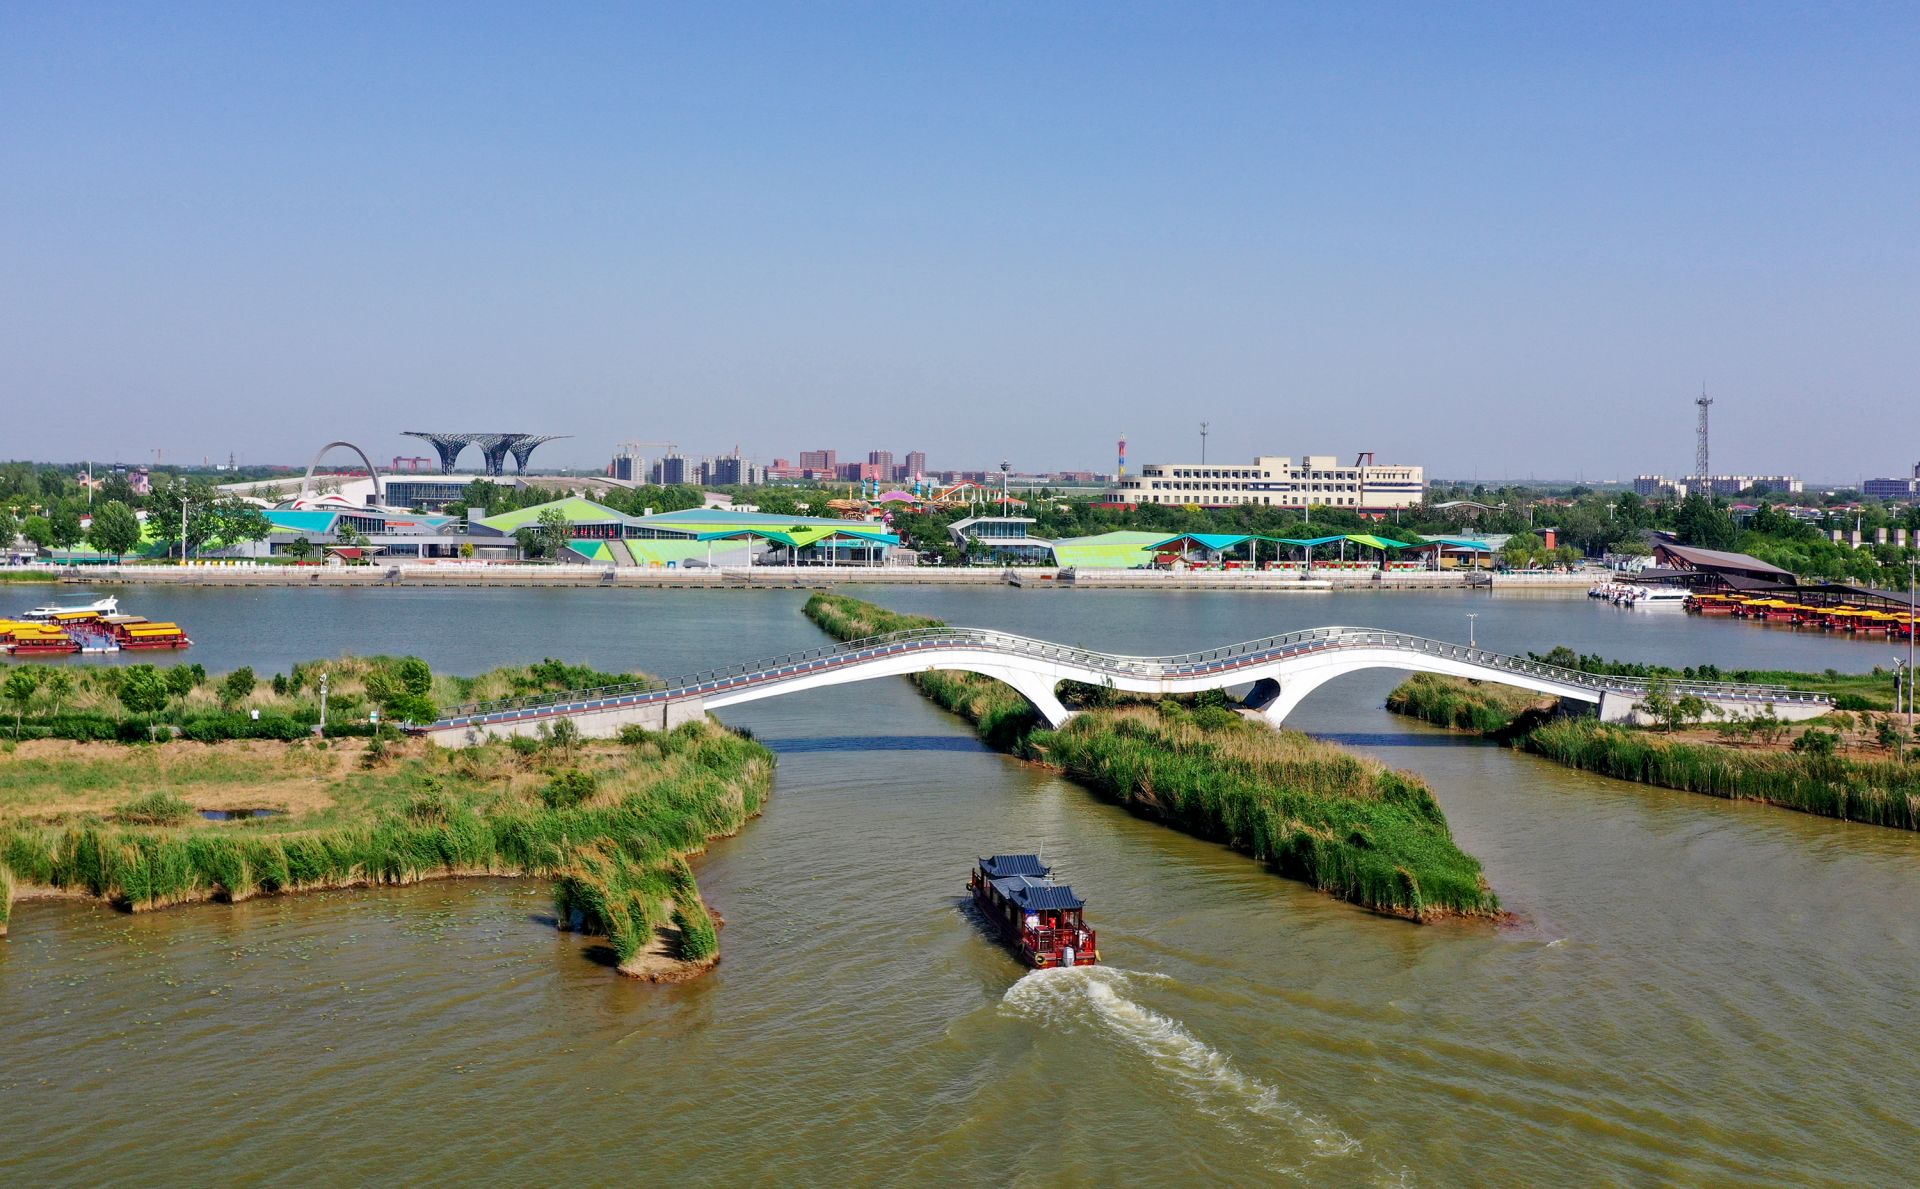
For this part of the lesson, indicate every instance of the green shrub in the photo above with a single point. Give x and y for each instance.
(569, 788)
(154, 809)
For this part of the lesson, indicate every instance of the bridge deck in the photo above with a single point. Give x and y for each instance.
(1214, 668)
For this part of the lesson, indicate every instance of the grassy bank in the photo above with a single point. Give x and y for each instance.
(1878, 792)
(1463, 705)
(1851, 691)
(610, 822)
(1730, 759)
(1347, 825)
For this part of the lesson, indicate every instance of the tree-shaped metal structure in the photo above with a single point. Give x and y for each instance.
(494, 448)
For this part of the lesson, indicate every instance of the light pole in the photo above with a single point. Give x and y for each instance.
(323, 705)
(1471, 616)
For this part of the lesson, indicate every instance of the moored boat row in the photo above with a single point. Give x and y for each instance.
(1776, 609)
(93, 627)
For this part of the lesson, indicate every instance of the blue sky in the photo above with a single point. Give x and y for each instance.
(1493, 239)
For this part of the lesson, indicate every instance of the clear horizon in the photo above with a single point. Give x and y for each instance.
(1492, 241)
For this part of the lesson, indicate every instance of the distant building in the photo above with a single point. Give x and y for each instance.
(1893, 489)
(819, 460)
(674, 470)
(729, 471)
(1660, 485)
(916, 465)
(432, 493)
(1316, 480)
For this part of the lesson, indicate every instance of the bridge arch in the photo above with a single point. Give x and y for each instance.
(306, 484)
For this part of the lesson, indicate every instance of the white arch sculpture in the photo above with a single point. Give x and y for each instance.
(306, 484)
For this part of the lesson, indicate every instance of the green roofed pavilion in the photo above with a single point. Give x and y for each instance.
(574, 508)
(1120, 550)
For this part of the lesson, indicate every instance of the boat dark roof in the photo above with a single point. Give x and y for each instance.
(1044, 897)
(1000, 866)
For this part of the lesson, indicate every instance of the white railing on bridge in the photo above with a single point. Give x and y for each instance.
(1098, 664)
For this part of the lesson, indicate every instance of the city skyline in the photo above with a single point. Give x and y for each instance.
(1484, 240)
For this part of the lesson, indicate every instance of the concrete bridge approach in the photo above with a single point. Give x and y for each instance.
(1281, 671)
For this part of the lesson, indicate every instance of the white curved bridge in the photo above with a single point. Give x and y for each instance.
(1281, 669)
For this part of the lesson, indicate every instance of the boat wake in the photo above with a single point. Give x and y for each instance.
(1246, 1105)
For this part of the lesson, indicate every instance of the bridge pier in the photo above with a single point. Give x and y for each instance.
(1274, 699)
(1034, 688)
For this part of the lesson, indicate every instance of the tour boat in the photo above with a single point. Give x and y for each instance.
(1040, 920)
(106, 606)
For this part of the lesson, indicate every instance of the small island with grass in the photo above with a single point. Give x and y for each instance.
(148, 787)
(1856, 762)
(1347, 825)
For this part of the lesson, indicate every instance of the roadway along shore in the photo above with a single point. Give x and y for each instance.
(788, 577)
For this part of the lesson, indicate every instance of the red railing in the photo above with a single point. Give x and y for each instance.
(1051, 942)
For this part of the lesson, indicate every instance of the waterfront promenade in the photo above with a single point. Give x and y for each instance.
(458, 573)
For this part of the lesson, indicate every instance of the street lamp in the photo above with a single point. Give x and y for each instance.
(1471, 616)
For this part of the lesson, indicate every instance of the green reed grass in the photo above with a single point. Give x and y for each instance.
(1460, 704)
(1347, 825)
(469, 812)
(1878, 792)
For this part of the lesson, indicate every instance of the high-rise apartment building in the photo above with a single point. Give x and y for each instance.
(819, 460)
(916, 464)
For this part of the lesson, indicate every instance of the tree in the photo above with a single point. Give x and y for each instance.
(528, 539)
(9, 530)
(1702, 522)
(415, 676)
(299, 549)
(237, 685)
(143, 690)
(115, 529)
(1688, 708)
(236, 522)
(180, 681)
(39, 530)
(59, 686)
(21, 684)
(1658, 701)
(556, 533)
(66, 529)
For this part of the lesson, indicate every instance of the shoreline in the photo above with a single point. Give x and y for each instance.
(773, 577)
(1849, 783)
(610, 824)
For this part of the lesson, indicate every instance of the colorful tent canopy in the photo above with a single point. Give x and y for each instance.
(1310, 542)
(1373, 542)
(1461, 543)
(1217, 542)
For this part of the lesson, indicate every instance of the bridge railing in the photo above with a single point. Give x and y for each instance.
(1103, 664)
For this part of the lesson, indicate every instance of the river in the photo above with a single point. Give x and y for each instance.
(1697, 991)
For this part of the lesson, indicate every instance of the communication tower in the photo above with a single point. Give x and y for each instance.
(1700, 470)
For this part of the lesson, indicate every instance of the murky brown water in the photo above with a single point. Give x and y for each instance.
(1701, 991)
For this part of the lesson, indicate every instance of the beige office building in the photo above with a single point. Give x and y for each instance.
(1316, 480)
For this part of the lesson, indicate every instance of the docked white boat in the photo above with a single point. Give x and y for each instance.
(106, 606)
